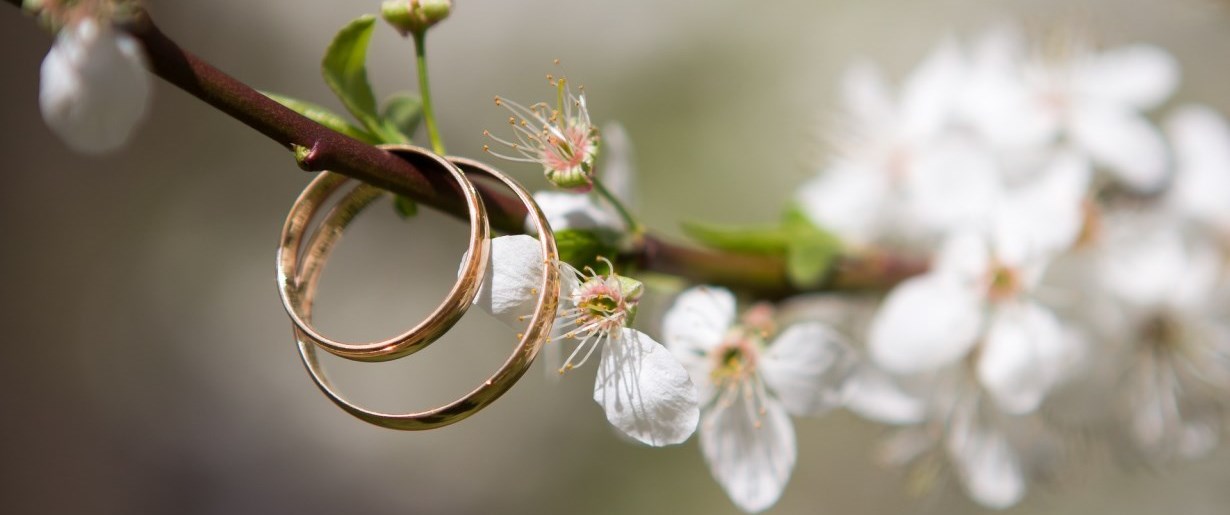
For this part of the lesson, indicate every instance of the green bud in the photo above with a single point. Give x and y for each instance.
(412, 16)
(398, 14)
(301, 155)
(435, 10)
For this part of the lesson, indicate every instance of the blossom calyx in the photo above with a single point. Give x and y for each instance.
(413, 16)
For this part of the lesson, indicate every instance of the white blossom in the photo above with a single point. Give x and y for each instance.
(1173, 329)
(93, 87)
(560, 138)
(884, 142)
(644, 391)
(749, 387)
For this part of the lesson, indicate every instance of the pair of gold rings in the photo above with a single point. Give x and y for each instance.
(300, 262)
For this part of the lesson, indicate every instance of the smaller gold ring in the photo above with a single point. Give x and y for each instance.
(446, 314)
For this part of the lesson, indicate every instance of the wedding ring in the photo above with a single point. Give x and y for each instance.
(316, 252)
(311, 201)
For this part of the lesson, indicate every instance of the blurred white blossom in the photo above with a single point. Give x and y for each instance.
(93, 87)
(1172, 295)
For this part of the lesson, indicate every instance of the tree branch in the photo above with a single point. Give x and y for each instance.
(763, 276)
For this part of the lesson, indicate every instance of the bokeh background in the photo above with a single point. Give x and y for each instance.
(147, 365)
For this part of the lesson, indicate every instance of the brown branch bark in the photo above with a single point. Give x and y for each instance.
(763, 276)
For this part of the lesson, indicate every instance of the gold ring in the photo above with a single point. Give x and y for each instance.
(311, 201)
(531, 341)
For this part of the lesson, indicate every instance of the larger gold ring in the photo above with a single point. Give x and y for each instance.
(531, 341)
(438, 322)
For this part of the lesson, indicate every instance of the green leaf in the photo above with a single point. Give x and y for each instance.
(345, 71)
(406, 207)
(749, 240)
(581, 248)
(811, 251)
(323, 116)
(404, 111)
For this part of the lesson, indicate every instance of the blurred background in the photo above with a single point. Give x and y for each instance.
(148, 365)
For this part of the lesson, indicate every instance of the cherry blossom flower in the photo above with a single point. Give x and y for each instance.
(584, 211)
(94, 88)
(949, 421)
(1172, 327)
(644, 391)
(749, 387)
(884, 142)
(980, 295)
(561, 139)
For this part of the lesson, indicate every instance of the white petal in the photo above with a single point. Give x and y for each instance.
(618, 170)
(1024, 355)
(872, 394)
(964, 257)
(953, 184)
(1145, 262)
(986, 464)
(930, 92)
(646, 393)
(924, 324)
(565, 210)
(93, 87)
(1137, 76)
(849, 200)
(698, 320)
(1044, 217)
(1201, 187)
(750, 452)
(806, 367)
(1124, 142)
(514, 274)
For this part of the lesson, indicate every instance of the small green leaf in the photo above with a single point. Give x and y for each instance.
(811, 251)
(750, 240)
(808, 262)
(404, 111)
(323, 116)
(345, 71)
(406, 207)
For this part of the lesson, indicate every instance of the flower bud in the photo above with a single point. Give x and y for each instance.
(93, 87)
(410, 16)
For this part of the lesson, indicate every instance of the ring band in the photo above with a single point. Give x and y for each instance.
(311, 201)
(510, 371)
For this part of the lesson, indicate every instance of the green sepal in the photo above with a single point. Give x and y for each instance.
(323, 116)
(404, 111)
(810, 251)
(345, 71)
